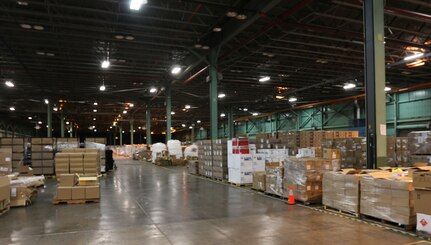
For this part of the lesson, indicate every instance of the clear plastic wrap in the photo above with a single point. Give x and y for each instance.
(28, 182)
(259, 181)
(274, 181)
(387, 199)
(420, 143)
(341, 191)
(174, 148)
(191, 151)
(157, 148)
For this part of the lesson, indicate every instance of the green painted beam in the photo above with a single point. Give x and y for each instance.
(213, 93)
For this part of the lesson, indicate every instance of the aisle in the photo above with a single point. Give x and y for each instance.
(146, 204)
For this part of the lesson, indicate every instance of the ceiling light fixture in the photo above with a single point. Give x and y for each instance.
(176, 70)
(349, 86)
(153, 90)
(264, 79)
(245, 109)
(198, 121)
(46, 101)
(221, 95)
(131, 105)
(29, 118)
(105, 64)
(12, 108)
(102, 88)
(137, 4)
(38, 28)
(279, 97)
(10, 84)
(293, 99)
(67, 123)
(124, 112)
(222, 115)
(22, 3)
(95, 103)
(231, 14)
(55, 109)
(255, 114)
(191, 127)
(388, 89)
(95, 110)
(198, 45)
(206, 47)
(241, 17)
(217, 29)
(119, 37)
(130, 38)
(415, 56)
(40, 122)
(25, 26)
(94, 119)
(172, 112)
(183, 125)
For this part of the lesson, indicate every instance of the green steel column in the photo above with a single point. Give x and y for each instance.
(375, 79)
(192, 137)
(213, 93)
(131, 131)
(121, 135)
(168, 112)
(230, 123)
(49, 120)
(148, 126)
(396, 110)
(62, 124)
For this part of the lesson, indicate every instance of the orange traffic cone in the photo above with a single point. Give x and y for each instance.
(291, 197)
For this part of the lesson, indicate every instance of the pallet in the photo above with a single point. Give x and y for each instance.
(336, 210)
(258, 190)
(387, 222)
(239, 185)
(219, 179)
(274, 195)
(306, 203)
(5, 210)
(424, 235)
(83, 201)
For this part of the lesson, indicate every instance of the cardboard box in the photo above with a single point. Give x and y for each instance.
(4, 188)
(64, 193)
(423, 223)
(78, 192)
(259, 181)
(331, 153)
(422, 179)
(92, 192)
(68, 180)
(422, 201)
(25, 171)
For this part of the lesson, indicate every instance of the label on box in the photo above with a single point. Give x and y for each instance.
(8, 159)
(13, 192)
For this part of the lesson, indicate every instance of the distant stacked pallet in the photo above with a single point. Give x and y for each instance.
(96, 140)
(352, 151)
(5, 161)
(4, 194)
(205, 157)
(66, 143)
(420, 147)
(398, 151)
(18, 148)
(42, 155)
(79, 161)
(74, 189)
(220, 168)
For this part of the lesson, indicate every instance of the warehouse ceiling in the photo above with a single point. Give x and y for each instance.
(53, 49)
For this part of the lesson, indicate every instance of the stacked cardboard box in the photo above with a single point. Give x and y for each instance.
(242, 164)
(305, 176)
(193, 166)
(96, 140)
(78, 162)
(259, 180)
(274, 179)
(163, 159)
(24, 188)
(72, 187)
(219, 161)
(62, 163)
(42, 155)
(341, 190)
(66, 143)
(420, 147)
(4, 194)
(391, 152)
(18, 149)
(5, 161)
(205, 157)
(422, 200)
(398, 151)
(386, 198)
(353, 151)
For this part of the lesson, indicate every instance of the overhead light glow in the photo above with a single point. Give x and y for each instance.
(264, 79)
(67, 123)
(94, 119)
(255, 114)
(55, 109)
(95, 103)
(198, 121)
(388, 89)
(95, 130)
(153, 90)
(279, 97)
(137, 4)
(187, 106)
(40, 122)
(46, 101)
(293, 99)
(231, 14)
(38, 27)
(183, 125)
(172, 112)
(190, 127)
(29, 118)
(102, 88)
(221, 95)
(217, 29)
(176, 70)
(105, 64)
(124, 112)
(222, 115)
(10, 84)
(12, 108)
(349, 86)
(415, 56)
(131, 105)
(245, 109)
(241, 17)
(95, 110)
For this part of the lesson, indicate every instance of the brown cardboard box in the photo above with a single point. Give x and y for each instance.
(422, 179)
(64, 193)
(331, 153)
(68, 180)
(92, 192)
(48, 170)
(422, 201)
(47, 141)
(259, 181)
(25, 171)
(78, 192)
(36, 148)
(36, 155)
(4, 187)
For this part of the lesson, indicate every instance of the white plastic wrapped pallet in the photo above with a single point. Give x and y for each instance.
(174, 148)
(191, 151)
(157, 148)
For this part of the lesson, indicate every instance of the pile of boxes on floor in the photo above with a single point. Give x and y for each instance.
(73, 188)
(18, 189)
(170, 155)
(78, 160)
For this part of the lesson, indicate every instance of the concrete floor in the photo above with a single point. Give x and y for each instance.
(145, 204)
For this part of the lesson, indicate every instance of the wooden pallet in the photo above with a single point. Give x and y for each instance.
(274, 195)
(239, 185)
(5, 210)
(384, 222)
(424, 235)
(336, 210)
(258, 190)
(83, 201)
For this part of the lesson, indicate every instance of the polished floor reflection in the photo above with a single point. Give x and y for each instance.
(145, 204)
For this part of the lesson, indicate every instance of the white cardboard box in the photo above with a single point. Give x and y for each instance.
(423, 223)
(240, 177)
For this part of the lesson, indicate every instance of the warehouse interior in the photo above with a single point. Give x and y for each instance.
(215, 122)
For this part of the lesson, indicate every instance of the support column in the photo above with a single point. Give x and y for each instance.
(62, 124)
(375, 79)
(213, 93)
(168, 112)
(121, 135)
(230, 123)
(49, 120)
(396, 114)
(131, 131)
(192, 137)
(148, 126)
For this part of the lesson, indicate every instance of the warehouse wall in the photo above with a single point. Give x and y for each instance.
(409, 111)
